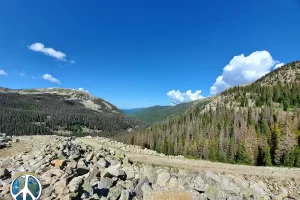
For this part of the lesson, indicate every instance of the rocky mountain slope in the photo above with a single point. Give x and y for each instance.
(254, 124)
(60, 111)
(81, 96)
(85, 169)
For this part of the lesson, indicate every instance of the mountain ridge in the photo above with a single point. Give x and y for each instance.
(253, 124)
(154, 114)
(61, 111)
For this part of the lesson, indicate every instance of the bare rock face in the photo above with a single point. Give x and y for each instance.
(86, 172)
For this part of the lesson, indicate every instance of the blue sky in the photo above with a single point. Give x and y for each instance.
(143, 53)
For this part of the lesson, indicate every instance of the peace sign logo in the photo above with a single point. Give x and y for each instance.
(26, 187)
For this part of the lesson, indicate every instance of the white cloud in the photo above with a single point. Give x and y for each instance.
(50, 78)
(23, 74)
(81, 89)
(244, 69)
(177, 97)
(278, 65)
(39, 47)
(2, 72)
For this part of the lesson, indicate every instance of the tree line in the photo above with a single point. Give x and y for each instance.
(254, 124)
(27, 114)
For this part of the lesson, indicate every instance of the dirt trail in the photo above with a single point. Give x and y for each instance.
(280, 173)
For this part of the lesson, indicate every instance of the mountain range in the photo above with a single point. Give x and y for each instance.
(255, 124)
(60, 111)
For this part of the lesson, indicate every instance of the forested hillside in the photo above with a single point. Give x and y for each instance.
(257, 124)
(47, 113)
(130, 111)
(155, 114)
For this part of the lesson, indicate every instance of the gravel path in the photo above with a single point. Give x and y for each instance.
(280, 173)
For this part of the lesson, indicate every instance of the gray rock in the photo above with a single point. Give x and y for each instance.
(282, 194)
(57, 172)
(87, 188)
(125, 195)
(114, 171)
(129, 171)
(6, 182)
(146, 189)
(68, 170)
(115, 192)
(75, 183)
(102, 162)
(138, 188)
(47, 192)
(198, 184)
(89, 157)
(94, 172)
(215, 192)
(61, 186)
(128, 184)
(228, 185)
(162, 179)
(126, 161)
(258, 190)
(105, 183)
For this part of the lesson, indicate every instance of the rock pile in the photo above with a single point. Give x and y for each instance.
(6, 141)
(71, 170)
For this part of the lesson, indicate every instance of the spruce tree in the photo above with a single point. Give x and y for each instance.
(267, 156)
(242, 155)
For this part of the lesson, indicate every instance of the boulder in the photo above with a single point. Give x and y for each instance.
(198, 184)
(138, 188)
(125, 195)
(282, 194)
(61, 187)
(129, 171)
(56, 172)
(75, 183)
(103, 163)
(115, 192)
(114, 171)
(89, 157)
(46, 192)
(105, 183)
(162, 179)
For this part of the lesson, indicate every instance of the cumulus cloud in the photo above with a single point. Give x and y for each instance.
(81, 89)
(244, 69)
(278, 65)
(50, 78)
(177, 97)
(39, 47)
(2, 72)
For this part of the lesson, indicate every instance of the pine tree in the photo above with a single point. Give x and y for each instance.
(267, 156)
(242, 155)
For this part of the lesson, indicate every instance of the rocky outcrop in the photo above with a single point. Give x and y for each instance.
(71, 170)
